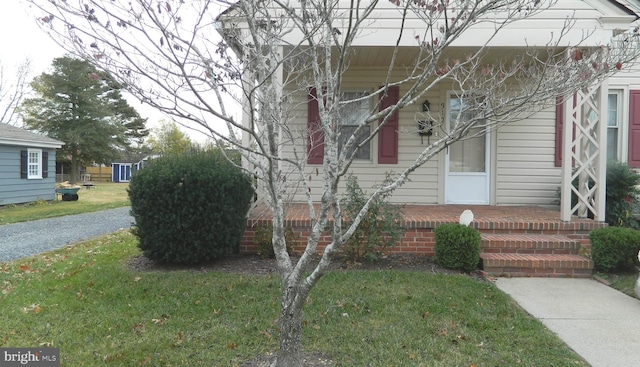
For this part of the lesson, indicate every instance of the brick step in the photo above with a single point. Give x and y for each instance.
(529, 244)
(536, 265)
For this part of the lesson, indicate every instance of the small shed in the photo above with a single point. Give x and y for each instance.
(128, 164)
(27, 165)
(121, 171)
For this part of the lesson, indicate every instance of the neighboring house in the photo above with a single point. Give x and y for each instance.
(122, 169)
(27, 165)
(518, 164)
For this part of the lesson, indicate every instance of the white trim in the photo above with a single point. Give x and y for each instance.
(31, 143)
(623, 114)
(36, 165)
(483, 177)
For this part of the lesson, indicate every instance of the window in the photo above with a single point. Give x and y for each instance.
(34, 164)
(467, 154)
(352, 114)
(614, 118)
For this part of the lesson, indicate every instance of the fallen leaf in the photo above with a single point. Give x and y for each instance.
(8, 288)
(24, 267)
(138, 328)
(137, 279)
(267, 334)
(177, 340)
(34, 308)
(232, 346)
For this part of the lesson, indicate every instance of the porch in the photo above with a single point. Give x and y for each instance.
(516, 240)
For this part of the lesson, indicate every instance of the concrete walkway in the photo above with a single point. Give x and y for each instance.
(601, 324)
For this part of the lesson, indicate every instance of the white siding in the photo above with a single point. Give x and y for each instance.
(523, 153)
(423, 187)
(524, 157)
(525, 162)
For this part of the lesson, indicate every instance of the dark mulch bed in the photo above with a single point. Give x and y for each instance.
(254, 265)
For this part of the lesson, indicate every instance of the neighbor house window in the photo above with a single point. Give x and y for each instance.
(614, 119)
(351, 115)
(34, 163)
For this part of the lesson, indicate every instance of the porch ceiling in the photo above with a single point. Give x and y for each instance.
(381, 56)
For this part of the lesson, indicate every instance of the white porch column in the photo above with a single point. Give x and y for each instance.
(584, 154)
(279, 85)
(247, 120)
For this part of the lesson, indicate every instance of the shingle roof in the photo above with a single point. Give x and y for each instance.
(11, 135)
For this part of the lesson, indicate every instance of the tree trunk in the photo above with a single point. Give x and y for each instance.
(290, 352)
(73, 176)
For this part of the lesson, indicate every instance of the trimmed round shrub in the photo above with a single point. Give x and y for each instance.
(615, 249)
(190, 208)
(457, 247)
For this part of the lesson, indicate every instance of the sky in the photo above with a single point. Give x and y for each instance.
(21, 38)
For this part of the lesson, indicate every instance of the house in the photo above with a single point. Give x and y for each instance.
(521, 164)
(122, 169)
(27, 165)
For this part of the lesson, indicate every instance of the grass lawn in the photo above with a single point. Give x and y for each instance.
(84, 300)
(104, 195)
(624, 282)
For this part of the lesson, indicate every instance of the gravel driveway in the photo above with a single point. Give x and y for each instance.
(30, 238)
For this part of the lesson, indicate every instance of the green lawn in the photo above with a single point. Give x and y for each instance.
(84, 300)
(104, 195)
(624, 282)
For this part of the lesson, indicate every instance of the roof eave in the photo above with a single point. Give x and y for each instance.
(32, 143)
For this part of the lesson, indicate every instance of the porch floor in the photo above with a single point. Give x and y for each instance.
(517, 240)
(430, 216)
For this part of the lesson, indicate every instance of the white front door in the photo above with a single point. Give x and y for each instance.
(467, 161)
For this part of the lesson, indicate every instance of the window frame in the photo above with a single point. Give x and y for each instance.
(366, 132)
(620, 118)
(463, 143)
(36, 172)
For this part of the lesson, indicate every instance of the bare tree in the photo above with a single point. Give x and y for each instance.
(168, 53)
(12, 91)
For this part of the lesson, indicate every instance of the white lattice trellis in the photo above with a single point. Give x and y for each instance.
(584, 154)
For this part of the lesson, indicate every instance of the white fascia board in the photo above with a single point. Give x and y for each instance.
(31, 143)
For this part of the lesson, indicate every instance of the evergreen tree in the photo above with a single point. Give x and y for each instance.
(84, 108)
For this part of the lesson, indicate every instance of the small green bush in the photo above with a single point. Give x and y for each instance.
(189, 208)
(263, 240)
(379, 229)
(615, 249)
(622, 195)
(457, 246)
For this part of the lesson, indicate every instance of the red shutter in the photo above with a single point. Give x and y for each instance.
(388, 135)
(315, 142)
(559, 130)
(634, 129)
